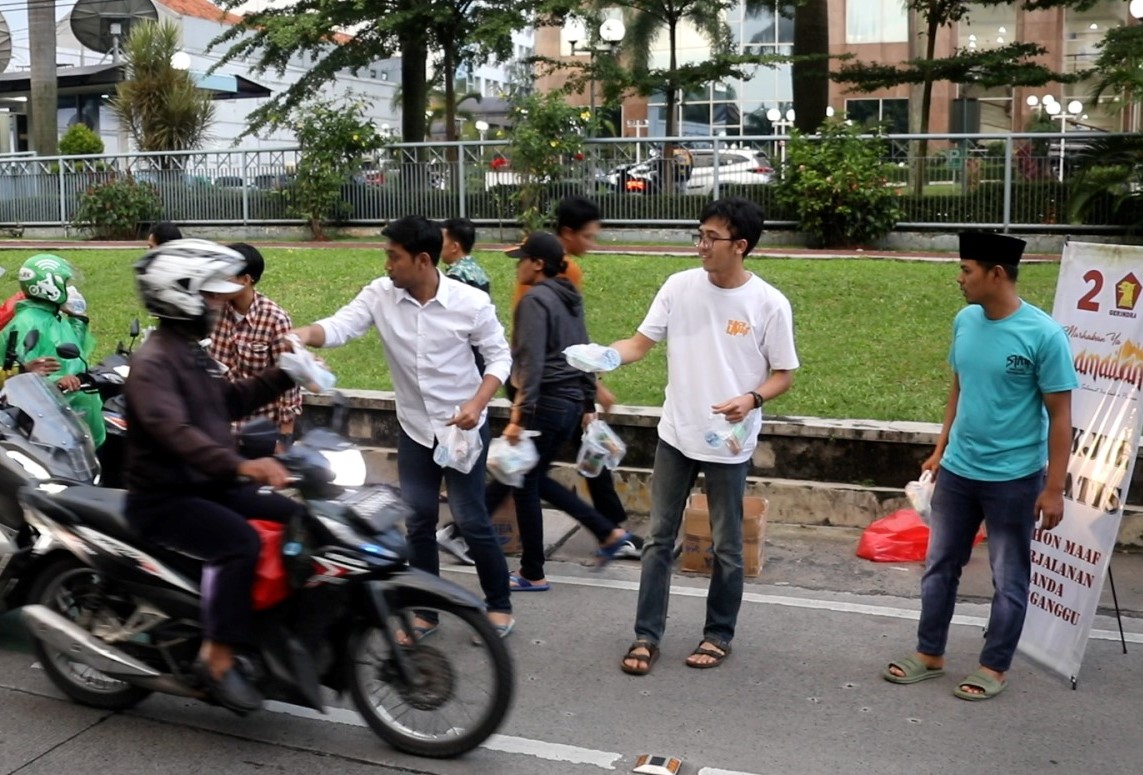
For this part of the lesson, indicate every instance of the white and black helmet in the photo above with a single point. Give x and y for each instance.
(172, 277)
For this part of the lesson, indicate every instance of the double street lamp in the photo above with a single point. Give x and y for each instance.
(611, 32)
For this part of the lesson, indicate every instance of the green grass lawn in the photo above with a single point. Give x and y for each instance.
(872, 335)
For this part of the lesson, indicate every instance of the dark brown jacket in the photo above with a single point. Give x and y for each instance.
(179, 410)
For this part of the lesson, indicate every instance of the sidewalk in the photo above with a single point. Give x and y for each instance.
(679, 249)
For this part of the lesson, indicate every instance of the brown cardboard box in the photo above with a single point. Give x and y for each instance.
(504, 526)
(698, 550)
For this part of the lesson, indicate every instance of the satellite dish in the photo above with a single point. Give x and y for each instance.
(5, 43)
(102, 25)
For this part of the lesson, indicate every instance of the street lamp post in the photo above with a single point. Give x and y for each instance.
(1056, 111)
(638, 124)
(611, 32)
(780, 122)
(482, 128)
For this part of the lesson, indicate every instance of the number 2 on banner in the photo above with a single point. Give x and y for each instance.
(1086, 302)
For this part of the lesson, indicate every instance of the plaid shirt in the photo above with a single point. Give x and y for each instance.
(248, 345)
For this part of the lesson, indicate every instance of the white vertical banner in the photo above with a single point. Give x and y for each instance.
(1097, 303)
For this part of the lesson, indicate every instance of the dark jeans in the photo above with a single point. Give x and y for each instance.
(671, 481)
(959, 506)
(558, 420)
(420, 480)
(211, 526)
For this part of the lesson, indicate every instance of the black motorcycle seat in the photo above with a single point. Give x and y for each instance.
(97, 507)
(102, 508)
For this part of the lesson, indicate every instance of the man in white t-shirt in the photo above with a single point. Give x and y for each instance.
(730, 348)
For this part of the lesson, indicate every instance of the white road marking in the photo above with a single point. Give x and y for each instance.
(556, 752)
(717, 771)
(839, 606)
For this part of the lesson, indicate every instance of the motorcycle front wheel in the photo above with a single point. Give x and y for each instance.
(459, 690)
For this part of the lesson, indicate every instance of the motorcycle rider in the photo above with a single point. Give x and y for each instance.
(47, 307)
(183, 470)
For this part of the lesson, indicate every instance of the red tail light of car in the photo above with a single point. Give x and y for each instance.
(763, 170)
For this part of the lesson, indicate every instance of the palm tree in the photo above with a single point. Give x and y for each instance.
(647, 19)
(811, 68)
(162, 107)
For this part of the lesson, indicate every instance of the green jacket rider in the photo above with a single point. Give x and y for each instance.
(44, 280)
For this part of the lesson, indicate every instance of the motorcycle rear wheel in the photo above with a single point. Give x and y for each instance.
(71, 589)
(430, 717)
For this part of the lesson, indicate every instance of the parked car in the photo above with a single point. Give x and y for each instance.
(272, 182)
(737, 167)
(229, 181)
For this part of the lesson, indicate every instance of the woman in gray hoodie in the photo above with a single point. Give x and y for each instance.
(552, 398)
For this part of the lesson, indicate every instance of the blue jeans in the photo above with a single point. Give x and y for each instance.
(959, 506)
(672, 479)
(558, 420)
(420, 480)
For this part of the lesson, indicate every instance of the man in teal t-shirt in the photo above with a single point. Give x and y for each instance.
(1009, 412)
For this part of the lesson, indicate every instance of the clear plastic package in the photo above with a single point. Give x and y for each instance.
(509, 462)
(458, 449)
(733, 436)
(600, 435)
(593, 357)
(920, 494)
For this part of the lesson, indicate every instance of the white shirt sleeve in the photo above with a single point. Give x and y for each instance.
(352, 320)
(488, 337)
(654, 325)
(778, 339)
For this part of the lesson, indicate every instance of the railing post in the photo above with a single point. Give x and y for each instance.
(714, 172)
(1008, 183)
(245, 191)
(63, 195)
(462, 183)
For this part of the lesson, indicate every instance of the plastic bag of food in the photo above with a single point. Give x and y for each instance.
(458, 448)
(600, 435)
(509, 462)
(592, 357)
(722, 433)
(920, 494)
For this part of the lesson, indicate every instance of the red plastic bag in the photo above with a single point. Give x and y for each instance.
(8, 308)
(900, 537)
(271, 583)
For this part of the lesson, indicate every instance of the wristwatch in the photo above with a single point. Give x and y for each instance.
(757, 399)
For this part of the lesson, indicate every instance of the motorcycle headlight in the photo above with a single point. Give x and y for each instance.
(348, 466)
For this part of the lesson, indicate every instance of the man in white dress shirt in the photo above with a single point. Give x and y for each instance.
(429, 325)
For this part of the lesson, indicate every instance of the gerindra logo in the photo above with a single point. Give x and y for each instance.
(1126, 296)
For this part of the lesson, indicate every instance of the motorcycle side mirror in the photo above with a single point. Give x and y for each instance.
(134, 329)
(258, 439)
(67, 351)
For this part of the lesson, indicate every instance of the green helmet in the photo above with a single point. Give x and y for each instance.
(45, 277)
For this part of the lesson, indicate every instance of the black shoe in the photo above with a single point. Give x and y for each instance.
(232, 691)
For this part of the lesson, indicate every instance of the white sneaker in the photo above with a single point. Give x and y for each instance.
(449, 539)
(628, 552)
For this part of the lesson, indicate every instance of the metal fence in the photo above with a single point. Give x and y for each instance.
(1019, 182)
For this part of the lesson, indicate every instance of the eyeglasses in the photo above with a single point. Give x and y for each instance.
(703, 239)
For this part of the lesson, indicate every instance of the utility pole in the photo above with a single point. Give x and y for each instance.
(43, 105)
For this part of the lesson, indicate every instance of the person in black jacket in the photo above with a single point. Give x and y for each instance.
(182, 469)
(552, 397)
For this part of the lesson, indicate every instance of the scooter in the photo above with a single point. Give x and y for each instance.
(116, 618)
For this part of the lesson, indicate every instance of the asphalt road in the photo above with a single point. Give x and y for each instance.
(801, 694)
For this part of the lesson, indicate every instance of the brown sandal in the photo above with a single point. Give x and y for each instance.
(718, 656)
(644, 661)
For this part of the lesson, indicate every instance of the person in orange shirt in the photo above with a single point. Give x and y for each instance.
(577, 227)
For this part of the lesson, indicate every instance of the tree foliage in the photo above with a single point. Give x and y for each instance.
(546, 135)
(336, 36)
(333, 136)
(80, 140)
(162, 108)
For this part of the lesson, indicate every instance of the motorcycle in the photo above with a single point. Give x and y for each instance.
(41, 437)
(116, 618)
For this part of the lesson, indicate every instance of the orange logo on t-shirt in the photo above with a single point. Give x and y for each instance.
(737, 328)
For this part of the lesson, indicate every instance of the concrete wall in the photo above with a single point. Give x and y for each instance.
(813, 471)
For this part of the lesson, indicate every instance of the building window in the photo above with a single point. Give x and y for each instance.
(893, 115)
(876, 21)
